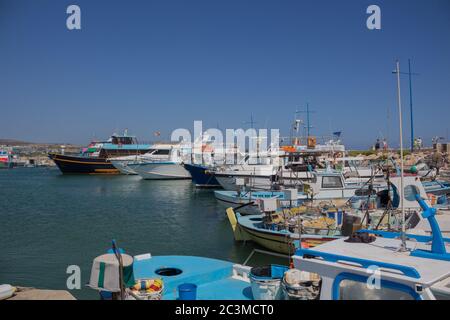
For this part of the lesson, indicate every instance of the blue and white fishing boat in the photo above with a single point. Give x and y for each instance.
(214, 279)
(326, 186)
(379, 265)
(147, 277)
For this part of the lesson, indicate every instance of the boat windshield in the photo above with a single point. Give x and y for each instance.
(122, 140)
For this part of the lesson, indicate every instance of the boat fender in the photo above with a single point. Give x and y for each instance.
(6, 291)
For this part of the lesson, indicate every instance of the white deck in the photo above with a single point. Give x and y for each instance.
(385, 250)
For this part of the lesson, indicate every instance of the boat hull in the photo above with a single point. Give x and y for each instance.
(125, 167)
(281, 242)
(232, 199)
(228, 182)
(6, 165)
(82, 165)
(201, 177)
(162, 171)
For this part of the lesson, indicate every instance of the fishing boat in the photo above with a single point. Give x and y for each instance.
(291, 168)
(6, 160)
(147, 277)
(384, 265)
(280, 229)
(168, 166)
(325, 186)
(380, 265)
(95, 158)
(277, 237)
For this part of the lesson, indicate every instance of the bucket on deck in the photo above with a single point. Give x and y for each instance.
(187, 291)
(266, 281)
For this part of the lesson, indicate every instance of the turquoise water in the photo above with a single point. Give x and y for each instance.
(49, 221)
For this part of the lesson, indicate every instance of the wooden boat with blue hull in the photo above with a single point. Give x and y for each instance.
(201, 176)
(95, 158)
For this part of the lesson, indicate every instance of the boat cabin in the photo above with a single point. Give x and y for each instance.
(333, 185)
(377, 270)
(122, 145)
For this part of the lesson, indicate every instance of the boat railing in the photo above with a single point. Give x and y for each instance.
(395, 235)
(364, 263)
(264, 252)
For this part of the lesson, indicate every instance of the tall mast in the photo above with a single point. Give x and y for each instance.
(410, 74)
(308, 123)
(403, 245)
(411, 105)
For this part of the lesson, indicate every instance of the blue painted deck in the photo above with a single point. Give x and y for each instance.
(212, 277)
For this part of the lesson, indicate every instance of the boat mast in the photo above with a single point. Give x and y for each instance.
(411, 105)
(403, 232)
(308, 123)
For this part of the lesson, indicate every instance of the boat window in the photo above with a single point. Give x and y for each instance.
(126, 140)
(161, 152)
(122, 140)
(357, 290)
(331, 182)
(441, 290)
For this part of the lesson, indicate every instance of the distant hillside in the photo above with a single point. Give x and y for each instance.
(13, 142)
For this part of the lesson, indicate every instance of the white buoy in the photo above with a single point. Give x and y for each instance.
(6, 291)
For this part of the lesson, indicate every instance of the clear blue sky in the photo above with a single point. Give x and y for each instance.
(160, 65)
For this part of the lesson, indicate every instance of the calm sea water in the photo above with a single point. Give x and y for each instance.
(49, 221)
